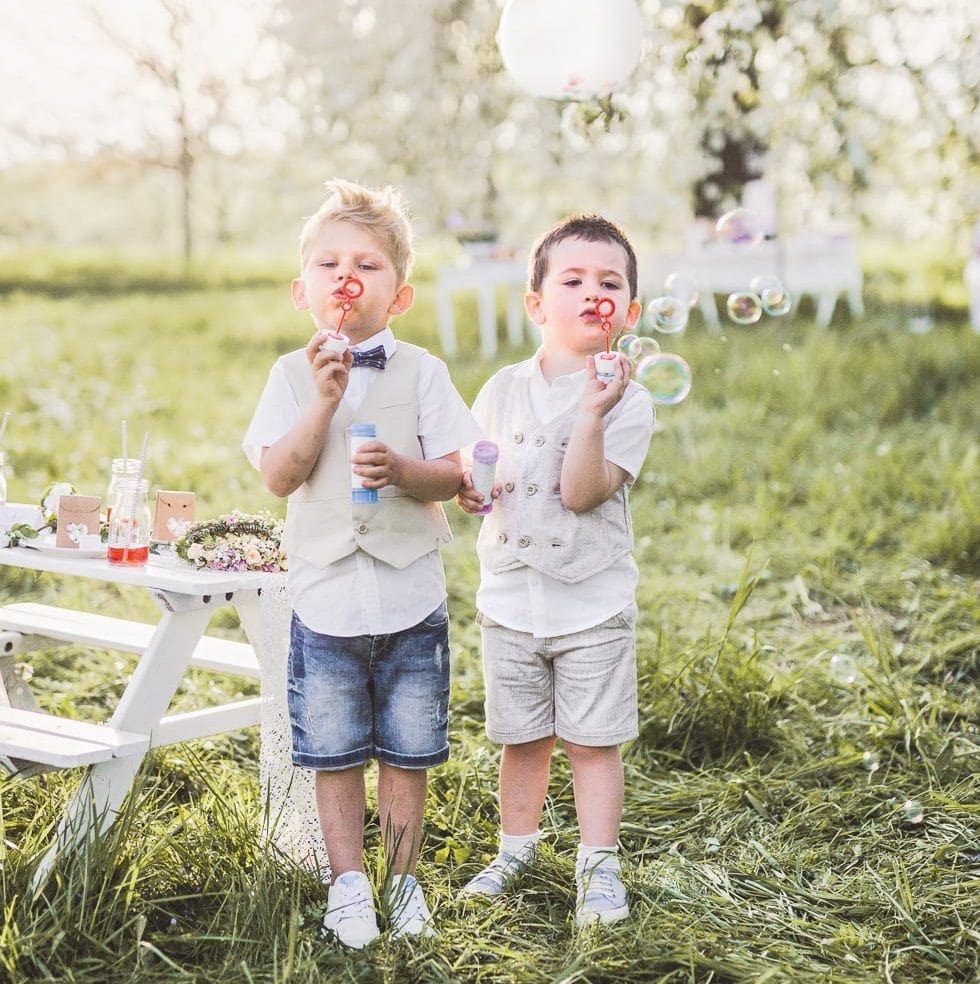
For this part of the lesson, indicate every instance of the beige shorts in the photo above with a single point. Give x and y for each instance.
(580, 687)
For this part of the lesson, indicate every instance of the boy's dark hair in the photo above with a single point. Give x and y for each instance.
(591, 228)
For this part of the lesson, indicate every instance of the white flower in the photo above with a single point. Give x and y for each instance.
(50, 502)
(196, 552)
(252, 557)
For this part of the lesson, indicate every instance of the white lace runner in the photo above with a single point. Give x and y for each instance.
(289, 820)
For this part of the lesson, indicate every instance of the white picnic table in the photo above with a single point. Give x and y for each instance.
(111, 753)
(484, 275)
(824, 267)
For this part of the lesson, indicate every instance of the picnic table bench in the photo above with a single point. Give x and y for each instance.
(111, 753)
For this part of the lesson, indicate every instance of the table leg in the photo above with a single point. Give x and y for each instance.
(515, 316)
(445, 319)
(826, 302)
(95, 803)
(487, 302)
(709, 310)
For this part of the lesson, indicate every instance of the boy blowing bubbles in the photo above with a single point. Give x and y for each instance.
(557, 584)
(369, 648)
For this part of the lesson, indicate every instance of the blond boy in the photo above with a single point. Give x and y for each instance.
(369, 652)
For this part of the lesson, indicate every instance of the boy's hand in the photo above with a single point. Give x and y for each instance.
(469, 499)
(329, 370)
(377, 465)
(598, 398)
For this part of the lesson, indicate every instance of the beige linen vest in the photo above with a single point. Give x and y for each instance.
(528, 524)
(322, 524)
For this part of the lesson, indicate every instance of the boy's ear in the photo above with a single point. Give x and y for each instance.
(532, 304)
(403, 300)
(633, 313)
(298, 290)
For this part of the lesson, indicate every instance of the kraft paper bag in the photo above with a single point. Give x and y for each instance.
(78, 516)
(174, 513)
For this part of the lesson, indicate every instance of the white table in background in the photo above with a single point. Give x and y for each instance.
(483, 276)
(822, 268)
(187, 599)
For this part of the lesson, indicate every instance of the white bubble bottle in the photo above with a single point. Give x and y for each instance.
(605, 366)
(360, 434)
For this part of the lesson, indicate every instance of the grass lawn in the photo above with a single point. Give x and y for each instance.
(816, 495)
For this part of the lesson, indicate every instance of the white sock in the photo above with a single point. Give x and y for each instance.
(595, 857)
(519, 843)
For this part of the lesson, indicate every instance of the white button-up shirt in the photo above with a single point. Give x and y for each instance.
(529, 601)
(360, 595)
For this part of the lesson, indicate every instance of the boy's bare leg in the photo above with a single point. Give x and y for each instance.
(401, 802)
(524, 773)
(340, 803)
(597, 774)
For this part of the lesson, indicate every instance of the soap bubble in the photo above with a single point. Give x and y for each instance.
(843, 669)
(668, 314)
(913, 812)
(666, 376)
(871, 761)
(624, 342)
(643, 348)
(682, 286)
(739, 227)
(764, 281)
(772, 294)
(744, 307)
(776, 301)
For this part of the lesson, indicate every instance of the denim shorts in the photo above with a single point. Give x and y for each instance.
(353, 698)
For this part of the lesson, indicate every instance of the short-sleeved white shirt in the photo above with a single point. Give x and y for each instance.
(359, 595)
(527, 600)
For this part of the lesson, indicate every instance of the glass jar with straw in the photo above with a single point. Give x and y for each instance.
(122, 468)
(130, 522)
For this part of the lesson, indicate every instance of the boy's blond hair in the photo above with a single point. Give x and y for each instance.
(379, 210)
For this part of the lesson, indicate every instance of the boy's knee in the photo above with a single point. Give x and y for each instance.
(529, 749)
(585, 754)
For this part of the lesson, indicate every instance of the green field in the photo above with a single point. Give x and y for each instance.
(816, 494)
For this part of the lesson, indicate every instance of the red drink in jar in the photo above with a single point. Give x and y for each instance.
(135, 556)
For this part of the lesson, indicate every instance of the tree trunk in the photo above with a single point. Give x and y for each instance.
(186, 170)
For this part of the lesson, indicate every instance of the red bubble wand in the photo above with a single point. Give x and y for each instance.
(605, 308)
(353, 289)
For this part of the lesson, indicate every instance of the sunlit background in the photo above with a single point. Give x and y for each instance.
(196, 125)
(801, 800)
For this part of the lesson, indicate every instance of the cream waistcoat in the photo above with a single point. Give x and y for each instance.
(529, 525)
(322, 524)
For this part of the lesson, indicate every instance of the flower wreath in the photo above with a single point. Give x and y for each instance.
(234, 542)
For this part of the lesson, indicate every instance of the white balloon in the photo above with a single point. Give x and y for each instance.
(570, 49)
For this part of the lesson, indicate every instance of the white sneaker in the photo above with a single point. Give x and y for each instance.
(601, 896)
(350, 910)
(500, 873)
(408, 915)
